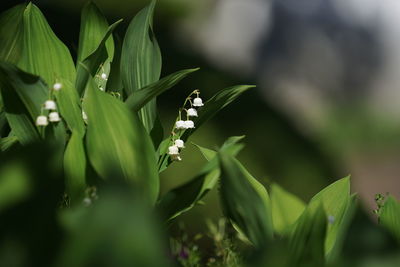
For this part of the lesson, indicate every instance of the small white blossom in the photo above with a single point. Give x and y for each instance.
(41, 121)
(180, 125)
(57, 86)
(50, 105)
(101, 88)
(173, 150)
(87, 201)
(189, 124)
(179, 143)
(104, 76)
(198, 102)
(191, 112)
(84, 116)
(54, 116)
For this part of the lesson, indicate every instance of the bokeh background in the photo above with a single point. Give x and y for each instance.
(327, 102)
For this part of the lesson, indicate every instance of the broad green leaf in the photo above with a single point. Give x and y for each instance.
(390, 216)
(141, 60)
(75, 167)
(23, 95)
(185, 197)
(117, 144)
(286, 209)
(335, 199)
(11, 27)
(114, 83)
(91, 64)
(245, 203)
(306, 243)
(94, 26)
(139, 98)
(43, 53)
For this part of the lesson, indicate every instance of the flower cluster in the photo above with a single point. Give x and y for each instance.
(51, 106)
(181, 125)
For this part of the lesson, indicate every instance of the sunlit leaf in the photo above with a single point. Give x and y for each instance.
(141, 60)
(43, 53)
(306, 243)
(335, 199)
(245, 201)
(389, 216)
(286, 209)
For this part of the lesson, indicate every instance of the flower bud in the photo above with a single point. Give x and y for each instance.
(54, 116)
(198, 102)
(173, 150)
(41, 121)
(50, 105)
(103, 76)
(189, 124)
(57, 86)
(191, 112)
(180, 124)
(179, 143)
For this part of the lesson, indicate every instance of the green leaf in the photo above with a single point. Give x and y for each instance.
(75, 167)
(114, 83)
(7, 142)
(139, 98)
(306, 243)
(245, 201)
(91, 64)
(23, 95)
(117, 143)
(185, 197)
(335, 199)
(43, 53)
(11, 29)
(141, 60)
(94, 27)
(286, 209)
(390, 216)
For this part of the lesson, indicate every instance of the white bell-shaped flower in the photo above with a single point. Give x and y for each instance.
(101, 88)
(41, 121)
(189, 124)
(192, 112)
(198, 102)
(173, 150)
(50, 105)
(54, 116)
(180, 125)
(179, 143)
(104, 76)
(57, 86)
(84, 115)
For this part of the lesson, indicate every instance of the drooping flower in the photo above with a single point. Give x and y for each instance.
(179, 143)
(198, 102)
(54, 117)
(191, 112)
(50, 105)
(104, 76)
(57, 86)
(180, 125)
(41, 120)
(189, 124)
(84, 115)
(173, 150)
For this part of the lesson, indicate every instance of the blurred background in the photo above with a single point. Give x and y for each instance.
(327, 102)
